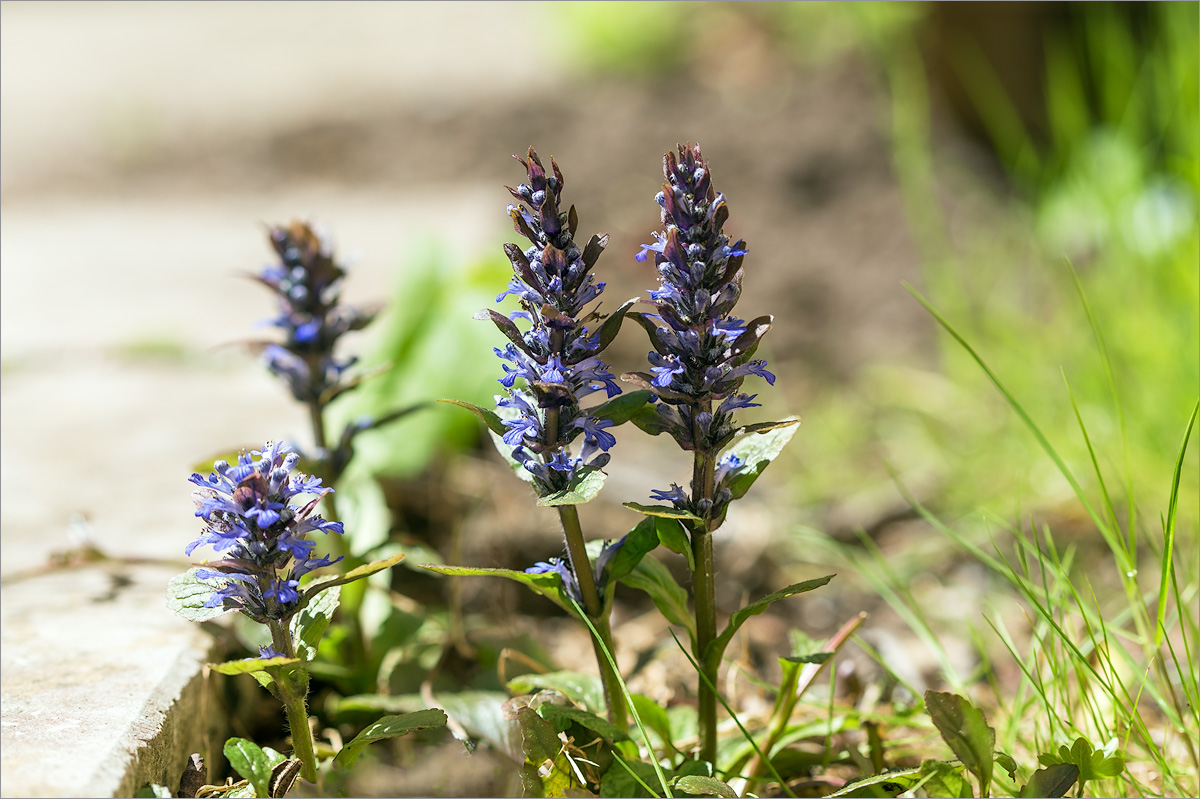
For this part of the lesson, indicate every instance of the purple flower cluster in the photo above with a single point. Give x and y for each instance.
(562, 567)
(556, 357)
(308, 283)
(701, 352)
(254, 521)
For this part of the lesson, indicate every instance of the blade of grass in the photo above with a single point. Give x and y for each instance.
(1131, 544)
(636, 778)
(1115, 544)
(1169, 531)
(750, 738)
(662, 779)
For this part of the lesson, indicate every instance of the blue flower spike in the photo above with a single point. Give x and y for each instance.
(255, 520)
(554, 362)
(702, 353)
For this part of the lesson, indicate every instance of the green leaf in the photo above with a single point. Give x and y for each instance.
(583, 488)
(1053, 781)
(639, 542)
(583, 689)
(187, 593)
(548, 585)
(1093, 764)
(945, 781)
(654, 716)
(505, 451)
(618, 782)
(563, 716)
(365, 570)
(662, 511)
(653, 577)
(891, 783)
(705, 786)
(546, 759)
(251, 665)
(489, 418)
(622, 408)
(1007, 763)
(249, 760)
(484, 714)
(648, 420)
(389, 727)
(815, 657)
(1107, 766)
(716, 649)
(309, 624)
(965, 729)
(757, 450)
(674, 537)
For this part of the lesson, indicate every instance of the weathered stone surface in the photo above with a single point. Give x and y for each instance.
(101, 685)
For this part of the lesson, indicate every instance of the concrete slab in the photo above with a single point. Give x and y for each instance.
(95, 705)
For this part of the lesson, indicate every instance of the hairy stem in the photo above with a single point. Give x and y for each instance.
(593, 605)
(704, 591)
(292, 686)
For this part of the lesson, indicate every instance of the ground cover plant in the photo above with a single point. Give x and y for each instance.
(1082, 678)
(574, 733)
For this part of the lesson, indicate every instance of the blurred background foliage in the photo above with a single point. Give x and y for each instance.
(1091, 111)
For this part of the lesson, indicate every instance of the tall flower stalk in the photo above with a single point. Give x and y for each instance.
(701, 356)
(549, 368)
(254, 520)
(308, 283)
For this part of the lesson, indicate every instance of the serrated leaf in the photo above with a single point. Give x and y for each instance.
(1053, 781)
(251, 665)
(669, 597)
(249, 760)
(757, 450)
(705, 786)
(583, 489)
(547, 584)
(489, 418)
(563, 716)
(965, 730)
(310, 623)
(187, 593)
(389, 727)
(674, 537)
(622, 408)
(716, 649)
(583, 689)
(662, 511)
(815, 657)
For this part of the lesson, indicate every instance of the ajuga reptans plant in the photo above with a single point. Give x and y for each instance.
(701, 356)
(552, 439)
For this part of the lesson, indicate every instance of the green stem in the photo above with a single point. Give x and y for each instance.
(352, 596)
(594, 607)
(292, 686)
(704, 594)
